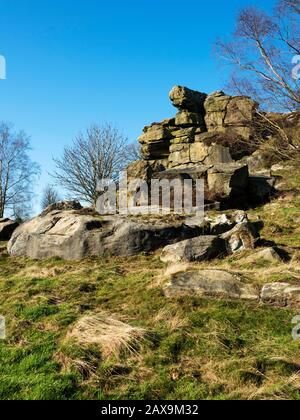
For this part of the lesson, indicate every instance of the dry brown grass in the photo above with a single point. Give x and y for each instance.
(173, 320)
(111, 335)
(165, 274)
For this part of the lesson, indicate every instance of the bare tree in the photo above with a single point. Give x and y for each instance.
(94, 156)
(133, 153)
(261, 53)
(290, 4)
(17, 171)
(50, 196)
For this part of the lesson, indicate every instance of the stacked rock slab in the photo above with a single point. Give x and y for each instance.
(206, 133)
(229, 114)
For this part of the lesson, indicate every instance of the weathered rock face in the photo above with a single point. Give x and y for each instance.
(155, 142)
(210, 283)
(7, 227)
(72, 235)
(211, 131)
(202, 248)
(190, 119)
(240, 238)
(232, 114)
(197, 153)
(220, 284)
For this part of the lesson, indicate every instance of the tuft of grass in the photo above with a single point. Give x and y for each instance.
(108, 333)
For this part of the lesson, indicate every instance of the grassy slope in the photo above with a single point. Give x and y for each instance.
(198, 349)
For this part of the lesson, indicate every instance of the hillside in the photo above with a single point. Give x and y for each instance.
(189, 347)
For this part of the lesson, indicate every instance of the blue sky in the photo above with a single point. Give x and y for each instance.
(72, 63)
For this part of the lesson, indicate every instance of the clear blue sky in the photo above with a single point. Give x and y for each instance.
(71, 63)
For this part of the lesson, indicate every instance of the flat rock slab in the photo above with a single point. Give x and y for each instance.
(281, 294)
(210, 283)
(202, 248)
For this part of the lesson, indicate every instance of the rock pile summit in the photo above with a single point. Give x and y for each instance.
(209, 138)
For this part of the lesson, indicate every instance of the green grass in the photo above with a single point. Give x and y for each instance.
(195, 348)
(198, 349)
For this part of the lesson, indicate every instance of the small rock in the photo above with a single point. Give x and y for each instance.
(281, 294)
(202, 248)
(242, 237)
(266, 254)
(210, 283)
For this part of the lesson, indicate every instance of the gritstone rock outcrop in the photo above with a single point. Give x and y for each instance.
(208, 138)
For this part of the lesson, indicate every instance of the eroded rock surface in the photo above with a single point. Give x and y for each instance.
(72, 235)
(198, 249)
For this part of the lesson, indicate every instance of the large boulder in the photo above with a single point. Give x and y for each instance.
(198, 249)
(227, 179)
(72, 235)
(7, 227)
(210, 283)
(187, 99)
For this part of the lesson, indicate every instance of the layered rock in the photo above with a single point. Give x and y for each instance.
(225, 113)
(220, 284)
(156, 140)
(211, 131)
